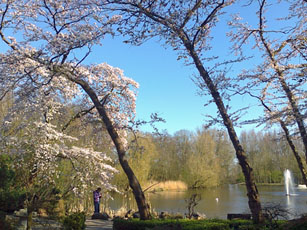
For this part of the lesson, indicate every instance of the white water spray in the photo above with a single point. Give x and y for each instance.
(288, 182)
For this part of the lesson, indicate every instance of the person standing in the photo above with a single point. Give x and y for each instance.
(97, 196)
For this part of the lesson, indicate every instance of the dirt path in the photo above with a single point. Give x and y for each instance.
(98, 224)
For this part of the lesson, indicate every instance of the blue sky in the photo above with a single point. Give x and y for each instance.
(166, 86)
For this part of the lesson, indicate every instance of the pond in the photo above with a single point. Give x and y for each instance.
(218, 202)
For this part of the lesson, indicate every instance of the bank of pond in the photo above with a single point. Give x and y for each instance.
(218, 202)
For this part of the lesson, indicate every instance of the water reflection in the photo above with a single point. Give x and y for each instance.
(231, 199)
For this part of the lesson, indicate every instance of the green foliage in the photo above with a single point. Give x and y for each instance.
(11, 195)
(298, 224)
(4, 224)
(210, 224)
(135, 224)
(75, 221)
(50, 203)
(277, 176)
(11, 200)
(200, 159)
(7, 175)
(205, 158)
(269, 155)
(240, 178)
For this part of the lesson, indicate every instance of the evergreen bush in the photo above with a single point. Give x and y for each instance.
(75, 221)
(11, 196)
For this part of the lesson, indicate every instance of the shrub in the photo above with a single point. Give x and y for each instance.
(182, 224)
(186, 224)
(297, 224)
(11, 195)
(51, 203)
(75, 221)
(4, 224)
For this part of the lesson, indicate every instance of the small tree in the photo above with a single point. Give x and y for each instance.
(192, 202)
(37, 149)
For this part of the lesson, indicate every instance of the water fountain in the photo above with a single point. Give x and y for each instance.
(288, 182)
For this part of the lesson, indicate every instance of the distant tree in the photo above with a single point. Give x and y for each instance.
(269, 155)
(141, 156)
(203, 163)
(186, 27)
(184, 149)
(166, 165)
(224, 153)
(203, 158)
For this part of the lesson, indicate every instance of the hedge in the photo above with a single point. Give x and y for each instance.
(182, 224)
(210, 224)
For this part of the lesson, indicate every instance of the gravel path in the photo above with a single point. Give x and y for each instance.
(98, 224)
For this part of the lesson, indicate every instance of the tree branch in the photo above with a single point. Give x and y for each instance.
(206, 21)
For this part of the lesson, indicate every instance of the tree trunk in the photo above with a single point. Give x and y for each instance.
(296, 154)
(133, 182)
(291, 144)
(29, 218)
(278, 70)
(296, 113)
(252, 191)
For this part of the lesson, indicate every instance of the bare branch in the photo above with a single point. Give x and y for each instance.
(207, 20)
(190, 13)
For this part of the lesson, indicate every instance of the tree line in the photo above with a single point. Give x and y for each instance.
(205, 158)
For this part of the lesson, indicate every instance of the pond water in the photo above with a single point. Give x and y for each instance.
(218, 202)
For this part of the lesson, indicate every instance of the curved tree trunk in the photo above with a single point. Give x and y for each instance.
(252, 191)
(133, 182)
(296, 112)
(296, 154)
(290, 142)
(280, 74)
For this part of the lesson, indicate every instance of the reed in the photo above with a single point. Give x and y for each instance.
(155, 186)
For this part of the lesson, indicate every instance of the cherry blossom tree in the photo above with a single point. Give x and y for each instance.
(186, 27)
(279, 79)
(48, 42)
(39, 148)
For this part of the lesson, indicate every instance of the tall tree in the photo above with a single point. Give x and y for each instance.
(57, 36)
(186, 26)
(280, 74)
